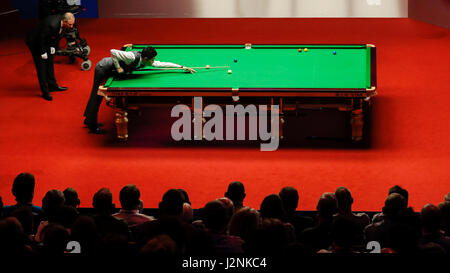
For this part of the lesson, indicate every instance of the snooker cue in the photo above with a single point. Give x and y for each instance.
(178, 68)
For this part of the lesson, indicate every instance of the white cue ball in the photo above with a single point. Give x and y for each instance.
(229, 71)
(207, 66)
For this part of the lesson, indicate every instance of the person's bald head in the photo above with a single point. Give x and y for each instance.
(68, 20)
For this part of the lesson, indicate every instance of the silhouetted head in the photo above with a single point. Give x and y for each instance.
(23, 188)
(289, 197)
(103, 201)
(244, 223)
(272, 207)
(327, 205)
(215, 216)
(71, 196)
(54, 239)
(52, 203)
(403, 192)
(394, 204)
(172, 203)
(431, 218)
(129, 197)
(236, 193)
(344, 199)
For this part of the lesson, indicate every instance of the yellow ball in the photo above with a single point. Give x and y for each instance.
(306, 50)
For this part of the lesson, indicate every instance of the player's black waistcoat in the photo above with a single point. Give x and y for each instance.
(133, 65)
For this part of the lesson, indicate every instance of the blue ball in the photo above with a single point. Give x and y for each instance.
(334, 52)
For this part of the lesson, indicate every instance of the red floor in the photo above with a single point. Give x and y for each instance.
(411, 119)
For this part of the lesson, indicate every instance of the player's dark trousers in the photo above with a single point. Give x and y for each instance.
(103, 70)
(45, 71)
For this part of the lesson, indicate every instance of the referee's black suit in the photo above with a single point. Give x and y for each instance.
(39, 41)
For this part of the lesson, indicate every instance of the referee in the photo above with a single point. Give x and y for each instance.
(42, 42)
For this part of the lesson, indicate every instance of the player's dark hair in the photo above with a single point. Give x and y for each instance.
(148, 52)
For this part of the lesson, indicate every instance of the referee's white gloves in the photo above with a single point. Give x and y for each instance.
(44, 56)
(52, 50)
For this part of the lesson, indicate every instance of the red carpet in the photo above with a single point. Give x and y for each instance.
(411, 119)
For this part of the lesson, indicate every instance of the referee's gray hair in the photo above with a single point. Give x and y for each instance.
(68, 16)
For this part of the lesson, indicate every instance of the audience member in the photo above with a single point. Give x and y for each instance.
(104, 221)
(272, 207)
(52, 204)
(223, 227)
(404, 233)
(236, 193)
(169, 222)
(172, 203)
(229, 206)
(215, 219)
(378, 231)
(269, 239)
(71, 197)
(360, 220)
(161, 250)
(431, 220)
(444, 207)
(54, 239)
(23, 190)
(131, 207)
(395, 189)
(13, 240)
(244, 223)
(290, 198)
(343, 232)
(84, 231)
(319, 236)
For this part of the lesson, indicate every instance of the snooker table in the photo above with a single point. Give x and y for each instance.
(341, 77)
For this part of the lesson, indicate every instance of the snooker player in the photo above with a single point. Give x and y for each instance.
(119, 62)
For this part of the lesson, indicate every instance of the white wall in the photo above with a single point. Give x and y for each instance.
(253, 8)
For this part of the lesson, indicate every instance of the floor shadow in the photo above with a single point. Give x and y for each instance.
(310, 129)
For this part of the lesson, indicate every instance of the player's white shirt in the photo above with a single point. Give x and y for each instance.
(128, 57)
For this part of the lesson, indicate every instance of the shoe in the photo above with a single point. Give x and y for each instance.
(96, 130)
(93, 125)
(58, 88)
(47, 96)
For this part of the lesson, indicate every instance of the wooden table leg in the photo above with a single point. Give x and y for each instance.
(357, 122)
(121, 122)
